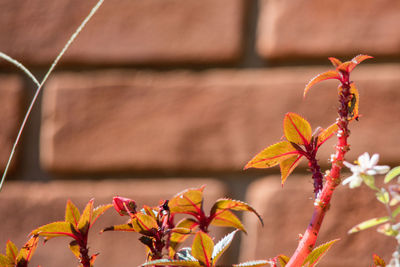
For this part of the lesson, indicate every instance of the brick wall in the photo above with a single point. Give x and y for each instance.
(158, 95)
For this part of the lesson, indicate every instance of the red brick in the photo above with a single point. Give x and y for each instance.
(10, 114)
(212, 120)
(287, 212)
(303, 28)
(25, 206)
(124, 32)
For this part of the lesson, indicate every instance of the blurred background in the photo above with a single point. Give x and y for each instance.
(156, 96)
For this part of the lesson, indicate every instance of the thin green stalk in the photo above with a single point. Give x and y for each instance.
(40, 85)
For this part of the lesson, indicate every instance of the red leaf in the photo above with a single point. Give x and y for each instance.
(331, 74)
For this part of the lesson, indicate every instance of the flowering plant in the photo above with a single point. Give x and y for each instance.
(164, 237)
(363, 172)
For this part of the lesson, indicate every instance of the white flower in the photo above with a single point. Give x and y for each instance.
(365, 168)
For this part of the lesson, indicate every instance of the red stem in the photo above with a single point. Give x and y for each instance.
(322, 203)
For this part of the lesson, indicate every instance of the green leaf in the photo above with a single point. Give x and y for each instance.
(297, 129)
(188, 201)
(368, 224)
(315, 256)
(287, 166)
(85, 219)
(383, 196)
(378, 261)
(387, 229)
(331, 74)
(256, 263)
(222, 246)
(98, 211)
(223, 204)
(55, 229)
(394, 202)
(26, 252)
(396, 212)
(202, 248)
(72, 213)
(11, 251)
(74, 247)
(369, 180)
(272, 155)
(393, 173)
(177, 238)
(168, 262)
(327, 133)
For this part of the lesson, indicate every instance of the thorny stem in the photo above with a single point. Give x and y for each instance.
(322, 202)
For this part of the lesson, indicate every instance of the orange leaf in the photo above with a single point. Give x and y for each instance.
(348, 66)
(11, 251)
(26, 252)
(72, 214)
(177, 238)
(331, 74)
(378, 261)
(282, 259)
(98, 211)
(335, 62)
(231, 204)
(55, 229)
(327, 133)
(202, 248)
(227, 218)
(287, 166)
(272, 155)
(74, 247)
(188, 201)
(4, 261)
(297, 129)
(144, 224)
(121, 227)
(86, 217)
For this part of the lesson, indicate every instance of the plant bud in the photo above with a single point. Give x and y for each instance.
(124, 206)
